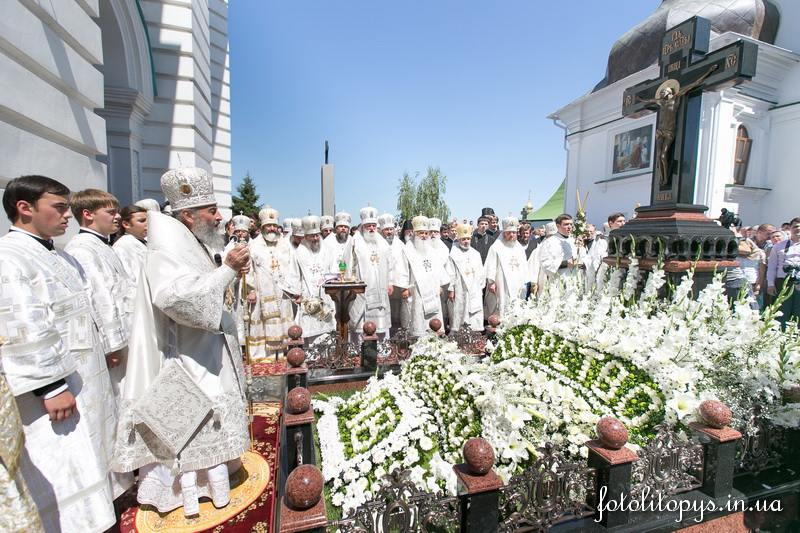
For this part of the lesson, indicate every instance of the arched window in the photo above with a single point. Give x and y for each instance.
(742, 156)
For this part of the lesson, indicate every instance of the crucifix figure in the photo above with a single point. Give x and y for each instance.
(687, 69)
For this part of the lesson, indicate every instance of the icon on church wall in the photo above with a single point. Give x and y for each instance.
(633, 150)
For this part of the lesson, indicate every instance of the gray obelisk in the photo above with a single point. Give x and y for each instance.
(327, 186)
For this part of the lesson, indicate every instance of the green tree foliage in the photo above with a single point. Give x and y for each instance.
(246, 199)
(424, 198)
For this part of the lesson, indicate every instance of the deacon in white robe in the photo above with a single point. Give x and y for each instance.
(55, 364)
(506, 270)
(560, 254)
(420, 279)
(235, 296)
(536, 272)
(387, 229)
(442, 254)
(313, 261)
(131, 247)
(371, 262)
(271, 282)
(183, 420)
(340, 243)
(467, 280)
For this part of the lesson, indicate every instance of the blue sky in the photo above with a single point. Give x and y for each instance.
(399, 86)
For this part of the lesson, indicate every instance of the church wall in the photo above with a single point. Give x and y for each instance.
(781, 203)
(220, 99)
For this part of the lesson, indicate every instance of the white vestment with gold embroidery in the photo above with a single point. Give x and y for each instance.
(507, 267)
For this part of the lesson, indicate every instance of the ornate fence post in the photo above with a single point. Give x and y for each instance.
(302, 507)
(719, 447)
(297, 373)
(478, 488)
(612, 460)
(299, 441)
(369, 347)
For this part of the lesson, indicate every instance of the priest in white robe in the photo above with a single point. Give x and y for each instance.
(183, 420)
(131, 247)
(560, 255)
(388, 231)
(506, 270)
(442, 254)
(271, 285)
(339, 243)
(54, 362)
(421, 279)
(536, 272)
(313, 261)
(371, 262)
(467, 281)
(326, 225)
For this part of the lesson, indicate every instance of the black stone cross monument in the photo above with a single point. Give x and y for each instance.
(672, 226)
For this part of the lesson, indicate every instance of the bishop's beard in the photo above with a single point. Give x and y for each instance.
(463, 246)
(422, 246)
(370, 236)
(389, 238)
(271, 236)
(314, 246)
(510, 243)
(209, 234)
(342, 238)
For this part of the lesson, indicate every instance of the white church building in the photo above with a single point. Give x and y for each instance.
(749, 160)
(110, 93)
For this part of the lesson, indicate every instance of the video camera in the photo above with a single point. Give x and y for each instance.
(728, 219)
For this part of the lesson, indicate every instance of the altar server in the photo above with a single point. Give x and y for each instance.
(507, 271)
(183, 420)
(54, 362)
(467, 280)
(131, 247)
(420, 279)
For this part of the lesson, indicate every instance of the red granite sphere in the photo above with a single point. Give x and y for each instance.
(494, 320)
(370, 328)
(714, 414)
(611, 432)
(298, 400)
(435, 324)
(296, 357)
(479, 456)
(304, 487)
(295, 332)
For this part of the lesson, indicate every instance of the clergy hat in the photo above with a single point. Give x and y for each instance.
(241, 222)
(510, 224)
(343, 219)
(487, 211)
(326, 222)
(463, 231)
(419, 223)
(188, 187)
(369, 215)
(149, 204)
(297, 228)
(434, 224)
(287, 225)
(385, 221)
(267, 216)
(311, 225)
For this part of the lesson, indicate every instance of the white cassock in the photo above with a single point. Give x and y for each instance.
(49, 330)
(372, 264)
(234, 298)
(336, 249)
(112, 295)
(595, 267)
(181, 322)
(467, 280)
(424, 278)
(555, 250)
(507, 267)
(131, 252)
(442, 254)
(398, 310)
(271, 277)
(535, 271)
(316, 313)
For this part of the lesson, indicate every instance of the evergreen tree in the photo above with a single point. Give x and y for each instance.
(246, 199)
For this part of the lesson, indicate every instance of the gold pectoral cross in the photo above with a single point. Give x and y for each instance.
(374, 258)
(274, 264)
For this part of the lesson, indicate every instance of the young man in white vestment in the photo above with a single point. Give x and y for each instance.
(560, 255)
(183, 418)
(54, 362)
(507, 271)
(234, 298)
(271, 284)
(595, 267)
(312, 261)
(371, 262)
(131, 247)
(420, 278)
(388, 230)
(537, 274)
(339, 243)
(467, 280)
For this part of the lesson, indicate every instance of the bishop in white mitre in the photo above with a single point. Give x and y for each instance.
(559, 254)
(312, 262)
(271, 283)
(507, 271)
(339, 243)
(371, 262)
(54, 362)
(467, 280)
(420, 278)
(388, 231)
(183, 419)
(442, 254)
(131, 247)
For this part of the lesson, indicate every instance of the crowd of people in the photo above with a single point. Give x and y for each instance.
(122, 352)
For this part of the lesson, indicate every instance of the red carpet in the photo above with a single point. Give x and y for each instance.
(259, 515)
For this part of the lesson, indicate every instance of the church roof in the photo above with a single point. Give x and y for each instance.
(551, 208)
(639, 47)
